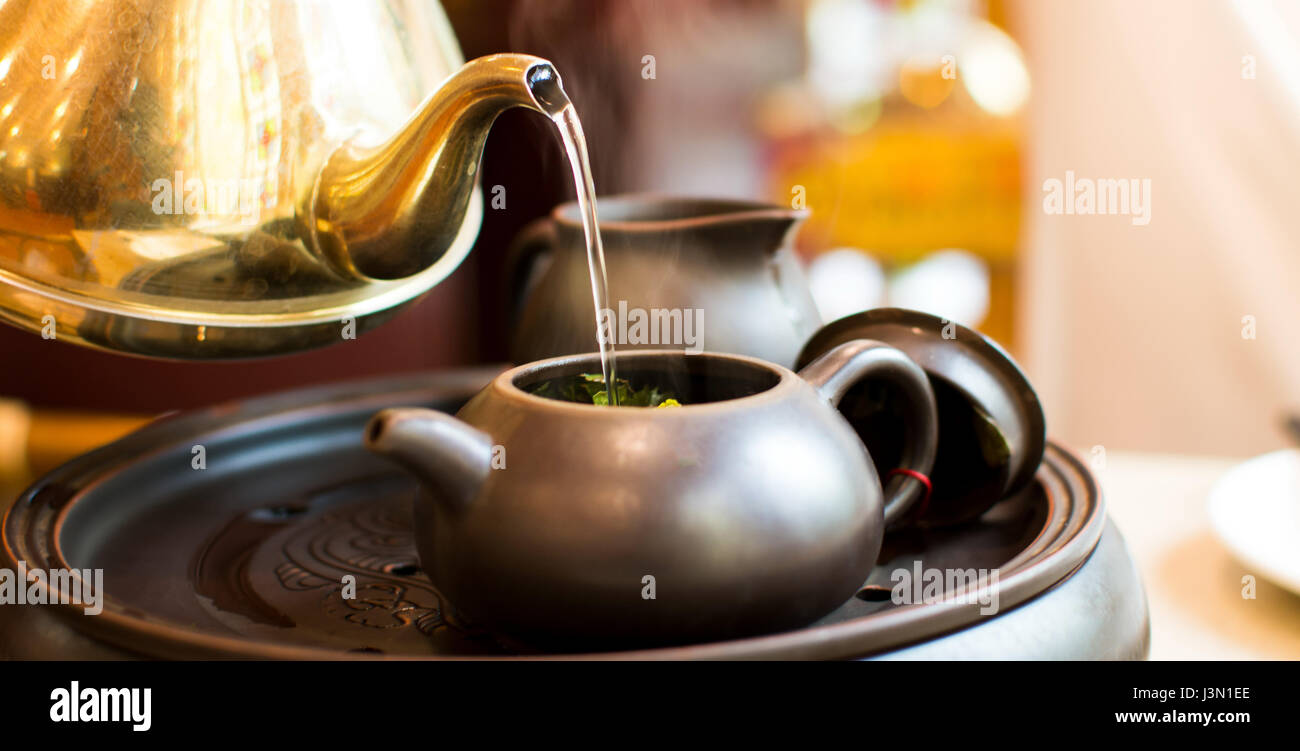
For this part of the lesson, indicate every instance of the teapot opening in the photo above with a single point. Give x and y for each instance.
(689, 379)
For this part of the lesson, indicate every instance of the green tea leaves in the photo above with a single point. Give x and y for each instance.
(589, 388)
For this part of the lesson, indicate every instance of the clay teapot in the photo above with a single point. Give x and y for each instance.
(752, 508)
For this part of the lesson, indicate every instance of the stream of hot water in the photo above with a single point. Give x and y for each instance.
(546, 87)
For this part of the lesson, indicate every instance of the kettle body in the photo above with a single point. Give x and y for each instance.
(211, 178)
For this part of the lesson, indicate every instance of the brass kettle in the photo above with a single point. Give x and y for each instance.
(230, 178)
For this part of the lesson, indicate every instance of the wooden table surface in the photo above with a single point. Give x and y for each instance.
(1194, 585)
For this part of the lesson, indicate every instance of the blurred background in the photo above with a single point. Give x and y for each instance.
(921, 135)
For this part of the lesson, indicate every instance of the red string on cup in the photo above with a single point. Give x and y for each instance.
(929, 487)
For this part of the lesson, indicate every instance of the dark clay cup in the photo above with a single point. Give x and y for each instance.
(992, 432)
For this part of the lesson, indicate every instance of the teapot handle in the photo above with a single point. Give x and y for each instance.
(835, 372)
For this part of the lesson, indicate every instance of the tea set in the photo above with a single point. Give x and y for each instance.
(757, 506)
(757, 503)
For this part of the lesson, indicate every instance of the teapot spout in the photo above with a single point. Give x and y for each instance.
(449, 458)
(393, 210)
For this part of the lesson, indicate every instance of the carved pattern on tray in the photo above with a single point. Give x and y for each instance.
(374, 545)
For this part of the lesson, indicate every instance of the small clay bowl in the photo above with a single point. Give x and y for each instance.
(991, 427)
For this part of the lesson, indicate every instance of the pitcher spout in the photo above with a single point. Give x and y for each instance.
(393, 210)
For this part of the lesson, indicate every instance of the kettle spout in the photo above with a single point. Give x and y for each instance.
(393, 210)
(449, 458)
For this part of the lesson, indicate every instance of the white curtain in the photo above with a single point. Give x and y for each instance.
(1134, 334)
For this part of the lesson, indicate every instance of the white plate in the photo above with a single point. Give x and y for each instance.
(1255, 511)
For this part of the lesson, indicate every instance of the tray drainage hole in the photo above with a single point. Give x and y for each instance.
(874, 593)
(367, 650)
(403, 569)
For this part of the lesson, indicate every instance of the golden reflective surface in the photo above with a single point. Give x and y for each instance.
(227, 178)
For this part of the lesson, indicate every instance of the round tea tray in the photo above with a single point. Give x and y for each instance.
(246, 554)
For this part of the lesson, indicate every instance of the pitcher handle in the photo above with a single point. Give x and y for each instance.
(536, 238)
(843, 367)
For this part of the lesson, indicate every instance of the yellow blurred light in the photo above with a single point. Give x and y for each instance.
(922, 83)
(857, 117)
